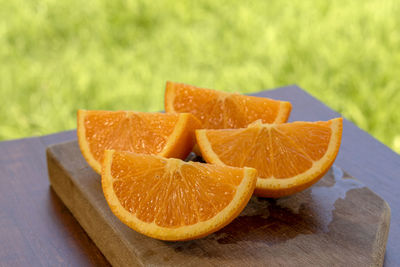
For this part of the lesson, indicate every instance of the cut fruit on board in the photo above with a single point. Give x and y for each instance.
(170, 199)
(222, 110)
(337, 222)
(167, 135)
(289, 157)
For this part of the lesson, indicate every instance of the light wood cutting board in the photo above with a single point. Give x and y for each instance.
(337, 222)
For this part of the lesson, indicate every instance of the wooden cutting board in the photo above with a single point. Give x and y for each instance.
(337, 222)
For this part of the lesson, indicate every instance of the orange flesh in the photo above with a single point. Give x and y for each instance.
(281, 151)
(122, 130)
(221, 110)
(169, 192)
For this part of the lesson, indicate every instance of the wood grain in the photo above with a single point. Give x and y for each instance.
(36, 229)
(336, 222)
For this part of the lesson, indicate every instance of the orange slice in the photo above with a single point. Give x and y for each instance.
(289, 157)
(168, 135)
(170, 199)
(221, 110)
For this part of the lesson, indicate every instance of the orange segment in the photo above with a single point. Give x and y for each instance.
(289, 157)
(168, 135)
(170, 199)
(312, 138)
(221, 110)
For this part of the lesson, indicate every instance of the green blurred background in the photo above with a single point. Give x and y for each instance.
(57, 56)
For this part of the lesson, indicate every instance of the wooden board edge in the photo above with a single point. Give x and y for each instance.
(86, 215)
(382, 236)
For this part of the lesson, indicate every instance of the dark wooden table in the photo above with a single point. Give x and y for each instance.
(36, 229)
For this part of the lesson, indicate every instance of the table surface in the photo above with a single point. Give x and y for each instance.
(36, 229)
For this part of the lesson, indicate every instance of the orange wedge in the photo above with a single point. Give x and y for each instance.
(289, 157)
(170, 199)
(167, 135)
(221, 110)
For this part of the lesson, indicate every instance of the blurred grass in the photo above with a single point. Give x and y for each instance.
(58, 56)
